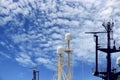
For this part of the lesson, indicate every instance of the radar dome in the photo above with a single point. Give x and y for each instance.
(68, 36)
(60, 50)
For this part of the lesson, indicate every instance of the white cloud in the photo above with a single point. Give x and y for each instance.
(107, 12)
(5, 55)
(25, 60)
(56, 36)
(49, 63)
(45, 31)
(3, 43)
(43, 60)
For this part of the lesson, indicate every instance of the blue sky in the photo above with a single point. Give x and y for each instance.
(31, 30)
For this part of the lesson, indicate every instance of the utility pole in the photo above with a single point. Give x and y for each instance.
(110, 73)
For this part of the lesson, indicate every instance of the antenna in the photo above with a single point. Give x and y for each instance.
(108, 26)
(35, 73)
(96, 50)
(114, 47)
(68, 38)
(94, 32)
(61, 75)
(110, 73)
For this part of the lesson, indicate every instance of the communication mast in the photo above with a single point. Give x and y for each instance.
(60, 50)
(68, 51)
(110, 73)
(61, 75)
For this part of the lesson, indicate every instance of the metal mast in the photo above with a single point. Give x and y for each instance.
(68, 51)
(109, 74)
(60, 50)
(61, 74)
(60, 66)
(35, 72)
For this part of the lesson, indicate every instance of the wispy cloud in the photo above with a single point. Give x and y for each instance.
(25, 60)
(34, 28)
(5, 55)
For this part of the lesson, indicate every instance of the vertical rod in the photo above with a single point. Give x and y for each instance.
(68, 44)
(69, 64)
(59, 66)
(108, 55)
(96, 56)
(34, 74)
(69, 67)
